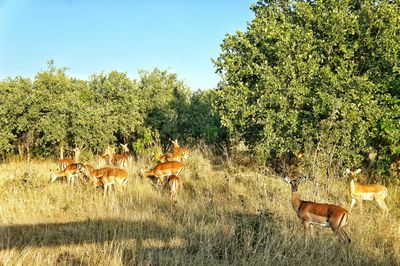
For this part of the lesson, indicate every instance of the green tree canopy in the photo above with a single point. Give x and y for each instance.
(314, 75)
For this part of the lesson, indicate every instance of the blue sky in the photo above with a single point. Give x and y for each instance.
(90, 36)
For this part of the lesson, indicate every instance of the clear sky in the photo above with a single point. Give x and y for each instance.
(89, 36)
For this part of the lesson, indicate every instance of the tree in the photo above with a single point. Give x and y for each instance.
(320, 76)
(164, 100)
(117, 102)
(15, 117)
(203, 122)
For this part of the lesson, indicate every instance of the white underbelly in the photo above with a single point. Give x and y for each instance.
(322, 224)
(365, 196)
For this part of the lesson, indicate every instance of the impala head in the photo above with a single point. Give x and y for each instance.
(124, 148)
(295, 182)
(109, 151)
(175, 143)
(353, 174)
(52, 176)
(141, 173)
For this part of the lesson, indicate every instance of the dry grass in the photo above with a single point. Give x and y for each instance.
(226, 214)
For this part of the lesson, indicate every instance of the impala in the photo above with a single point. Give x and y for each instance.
(174, 183)
(164, 157)
(104, 160)
(63, 163)
(120, 160)
(178, 150)
(109, 157)
(172, 157)
(177, 154)
(93, 173)
(70, 172)
(125, 149)
(164, 169)
(111, 177)
(311, 213)
(360, 192)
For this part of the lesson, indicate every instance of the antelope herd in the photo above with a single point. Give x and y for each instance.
(111, 171)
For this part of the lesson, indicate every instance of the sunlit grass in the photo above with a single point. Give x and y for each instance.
(228, 213)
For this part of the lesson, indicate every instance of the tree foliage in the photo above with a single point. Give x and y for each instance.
(314, 75)
(55, 112)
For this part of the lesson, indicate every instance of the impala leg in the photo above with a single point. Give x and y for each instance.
(105, 190)
(173, 198)
(307, 230)
(361, 206)
(341, 234)
(346, 241)
(53, 178)
(353, 202)
(69, 178)
(383, 206)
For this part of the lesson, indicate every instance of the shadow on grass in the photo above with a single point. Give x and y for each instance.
(71, 233)
(255, 238)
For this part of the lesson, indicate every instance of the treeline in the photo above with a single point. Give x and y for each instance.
(54, 112)
(315, 77)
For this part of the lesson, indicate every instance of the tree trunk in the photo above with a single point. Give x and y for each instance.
(21, 151)
(61, 152)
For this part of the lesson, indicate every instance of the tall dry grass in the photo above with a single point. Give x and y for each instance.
(227, 213)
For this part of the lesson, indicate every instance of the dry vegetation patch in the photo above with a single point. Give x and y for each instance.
(226, 214)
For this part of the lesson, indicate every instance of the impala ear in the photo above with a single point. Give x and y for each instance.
(358, 171)
(287, 179)
(348, 171)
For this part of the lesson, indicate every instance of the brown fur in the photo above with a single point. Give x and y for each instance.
(360, 192)
(310, 213)
(69, 172)
(164, 169)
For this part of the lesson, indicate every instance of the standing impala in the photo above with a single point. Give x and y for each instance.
(164, 169)
(174, 183)
(63, 163)
(311, 213)
(112, 177)
(360, 192)
(178, 153)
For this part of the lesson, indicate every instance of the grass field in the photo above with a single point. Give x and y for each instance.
(227, 213)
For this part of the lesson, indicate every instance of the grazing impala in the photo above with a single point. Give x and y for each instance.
(62, 164)
(164, 169)
(311, 213)
(174, 183)
(360, 192)
(112, 177)
(70, 172)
